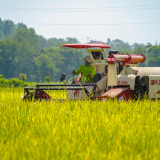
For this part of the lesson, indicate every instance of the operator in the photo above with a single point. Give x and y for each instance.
(87, 70)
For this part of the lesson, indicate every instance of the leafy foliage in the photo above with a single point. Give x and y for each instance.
(1, 76)
(23, 77)
(47, 78)
(14, 82)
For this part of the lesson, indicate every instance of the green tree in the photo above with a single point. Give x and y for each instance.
(22, 76)
(47, 78)
(1, 76)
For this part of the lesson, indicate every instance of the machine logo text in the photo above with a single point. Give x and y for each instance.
(155, 82)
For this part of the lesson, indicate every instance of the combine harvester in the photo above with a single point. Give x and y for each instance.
(119, 78)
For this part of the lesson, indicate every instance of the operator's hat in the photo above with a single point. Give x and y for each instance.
(88, 59)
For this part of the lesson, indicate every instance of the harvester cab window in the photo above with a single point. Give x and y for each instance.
(97, 55)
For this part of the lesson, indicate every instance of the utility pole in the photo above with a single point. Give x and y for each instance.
(87, 39)
(147, 56)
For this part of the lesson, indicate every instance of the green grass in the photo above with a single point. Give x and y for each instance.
(78, 130)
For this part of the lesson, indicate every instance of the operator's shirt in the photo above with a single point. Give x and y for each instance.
(85, 70)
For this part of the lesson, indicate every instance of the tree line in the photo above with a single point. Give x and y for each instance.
(23, 51)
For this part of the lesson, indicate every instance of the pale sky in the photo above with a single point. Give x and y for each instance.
(139, 19)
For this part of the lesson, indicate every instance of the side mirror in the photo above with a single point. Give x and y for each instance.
(63, 75)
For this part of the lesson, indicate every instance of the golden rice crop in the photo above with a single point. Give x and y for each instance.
(78, 130)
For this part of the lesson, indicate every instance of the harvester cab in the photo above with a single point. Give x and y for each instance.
(96, 53)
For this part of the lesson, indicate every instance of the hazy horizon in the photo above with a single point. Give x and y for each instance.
(130, 21)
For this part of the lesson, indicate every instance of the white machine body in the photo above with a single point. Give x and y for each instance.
(154, 86)
(128, 76)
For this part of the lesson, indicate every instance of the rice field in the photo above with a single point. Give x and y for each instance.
(78, 130)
